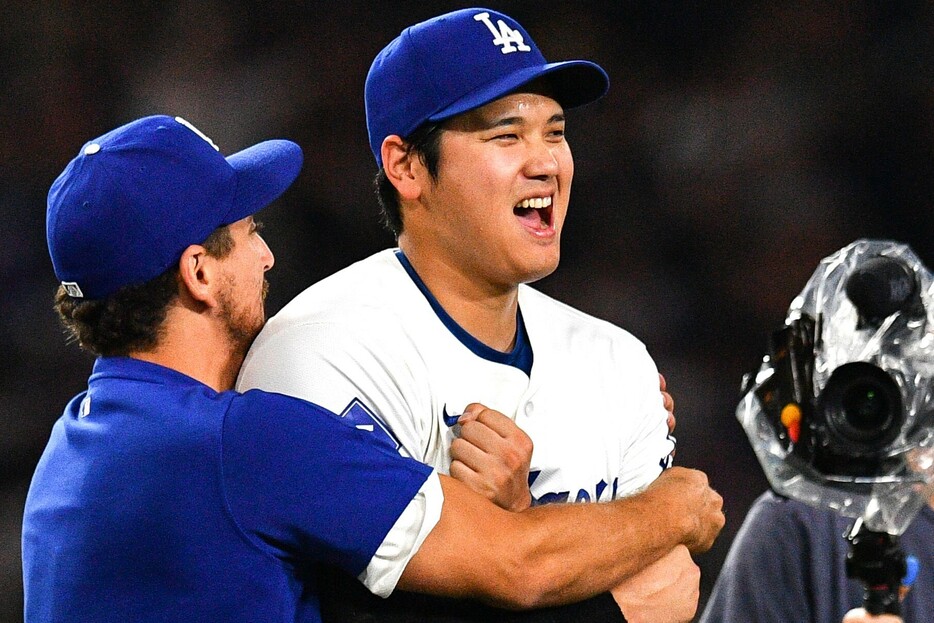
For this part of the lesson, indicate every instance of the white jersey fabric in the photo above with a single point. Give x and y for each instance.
(367, 344)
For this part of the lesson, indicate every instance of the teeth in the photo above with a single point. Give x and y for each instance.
(537, 203)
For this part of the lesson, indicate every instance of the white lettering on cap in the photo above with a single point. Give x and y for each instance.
(198, 132)
(510, 39)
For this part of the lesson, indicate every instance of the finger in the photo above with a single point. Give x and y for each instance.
(470, 455)
(668, 401)
(662, 384)
(463, 473)
(484, 450)
(467, 475)
(494, 433)
(481, 436)
(472, 411)
(672, 422)
(503, 425)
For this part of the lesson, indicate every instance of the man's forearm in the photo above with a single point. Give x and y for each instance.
(559, 554)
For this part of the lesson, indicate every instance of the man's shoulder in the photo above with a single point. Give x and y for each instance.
(271, 409)
(363, 315)
(771, 513)
(365, 291)
(359, 282)
(539, 308)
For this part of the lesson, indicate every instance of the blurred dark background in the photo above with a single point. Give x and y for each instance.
(740, 143)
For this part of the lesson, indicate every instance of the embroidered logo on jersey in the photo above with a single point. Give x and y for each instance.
(511, 40)
(362, 418)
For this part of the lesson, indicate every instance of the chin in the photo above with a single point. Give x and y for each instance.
(540, 271)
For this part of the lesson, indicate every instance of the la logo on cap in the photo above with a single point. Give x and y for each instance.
(510, 39)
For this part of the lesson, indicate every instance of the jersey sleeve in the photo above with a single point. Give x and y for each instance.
(404, 538)
(364, 377)
(648, 446)
(307, 487)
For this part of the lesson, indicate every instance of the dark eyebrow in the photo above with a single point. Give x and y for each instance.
(506, 121)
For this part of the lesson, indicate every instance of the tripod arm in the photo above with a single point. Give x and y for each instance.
(876, 559)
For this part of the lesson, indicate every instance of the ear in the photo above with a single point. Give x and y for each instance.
(198, 273)
(403, 168)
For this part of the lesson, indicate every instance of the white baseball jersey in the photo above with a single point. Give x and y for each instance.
(371, 344)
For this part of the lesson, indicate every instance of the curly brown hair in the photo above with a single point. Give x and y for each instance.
(131, 319)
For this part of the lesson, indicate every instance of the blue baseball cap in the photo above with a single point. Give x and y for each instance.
(126, 207)
(460, 61)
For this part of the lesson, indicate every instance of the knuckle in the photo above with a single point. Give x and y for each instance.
(511, 458)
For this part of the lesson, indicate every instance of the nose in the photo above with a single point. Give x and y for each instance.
(542, 162)
(267, 257)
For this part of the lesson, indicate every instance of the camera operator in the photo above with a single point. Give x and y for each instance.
(787, 563)
(840, 417)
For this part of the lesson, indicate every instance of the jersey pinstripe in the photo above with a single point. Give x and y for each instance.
(366, 343)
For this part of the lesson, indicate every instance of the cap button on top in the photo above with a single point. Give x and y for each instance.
(92, 149)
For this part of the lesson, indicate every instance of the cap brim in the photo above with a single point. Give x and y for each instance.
(574, 83)
(264, 171)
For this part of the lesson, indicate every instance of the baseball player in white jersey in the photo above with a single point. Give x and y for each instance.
(373, 344)
(466, 122)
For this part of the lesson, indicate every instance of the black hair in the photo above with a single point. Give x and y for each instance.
(425, 143)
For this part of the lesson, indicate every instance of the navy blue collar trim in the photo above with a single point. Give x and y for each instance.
(521, 355)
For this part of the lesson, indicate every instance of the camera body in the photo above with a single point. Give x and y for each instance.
(845, 430)
(839, 412)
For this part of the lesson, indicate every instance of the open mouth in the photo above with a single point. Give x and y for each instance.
(535, 213)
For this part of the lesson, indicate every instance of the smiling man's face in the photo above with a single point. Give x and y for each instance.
(498, 205)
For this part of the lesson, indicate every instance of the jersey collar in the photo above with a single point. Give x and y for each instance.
(519, 357)
(128, 368)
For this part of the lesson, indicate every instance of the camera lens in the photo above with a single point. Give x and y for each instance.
(866, 407)
(862, 408)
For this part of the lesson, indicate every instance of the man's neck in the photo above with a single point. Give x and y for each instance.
(196, 347)
(218, 373)
(485, 311)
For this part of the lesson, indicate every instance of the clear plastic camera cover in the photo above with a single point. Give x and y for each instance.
(902, 345)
